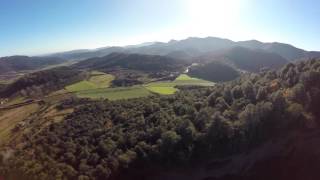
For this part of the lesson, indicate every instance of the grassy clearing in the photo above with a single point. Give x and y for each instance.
(97, 86)
(116, 93)
(16, 100)
(101, 80)
(162, 90)
(9, 119)
(169, 87)
(165, 88)
(81, 86)
(95, 73)
(184, 79)
(97, 80)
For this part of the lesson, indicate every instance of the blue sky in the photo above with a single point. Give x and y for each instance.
(42, 26)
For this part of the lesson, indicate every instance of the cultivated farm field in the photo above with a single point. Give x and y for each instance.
(95, 81)
(98, 86)
(115, 93)
(169, 87)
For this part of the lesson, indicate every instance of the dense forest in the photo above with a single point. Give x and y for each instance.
(102, 139)
(214, 71)
(43, 82)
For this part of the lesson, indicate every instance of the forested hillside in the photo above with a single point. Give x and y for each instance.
(139, 62)
(247, 59)
(124, 139)
(43, 82)
(227, 65)
(214, 71)
(254, 60)
(83, 54)
(22, 63)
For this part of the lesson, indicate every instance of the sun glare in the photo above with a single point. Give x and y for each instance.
(214, 15)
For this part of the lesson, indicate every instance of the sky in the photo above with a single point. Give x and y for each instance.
(33, 27)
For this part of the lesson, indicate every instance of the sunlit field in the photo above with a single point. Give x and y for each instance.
(97, 80)
(115, 93)
(169, 87)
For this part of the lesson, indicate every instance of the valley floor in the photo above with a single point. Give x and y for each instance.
(99, 87)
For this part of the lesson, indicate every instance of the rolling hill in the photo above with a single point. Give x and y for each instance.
(23, 63)
(139, 62)
(86, 53)
(251, 60)
(226, 65)
(42, 82)
(285, 50)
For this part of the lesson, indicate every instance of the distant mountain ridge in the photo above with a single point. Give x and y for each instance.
(174, 55)
(285, 50)
(193, 47)
(23, 63)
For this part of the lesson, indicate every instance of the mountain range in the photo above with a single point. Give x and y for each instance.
(193, 47)
(241, 56)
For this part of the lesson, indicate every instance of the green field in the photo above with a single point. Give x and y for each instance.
(184, 79)
(81, 86)
(93, 73)
(162, 89)
(96, 80)
(97, 86)
(169, 86)
(115, 93)
(101, 80)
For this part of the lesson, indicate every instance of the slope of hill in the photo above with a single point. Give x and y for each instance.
(182, 55)
(86, 53)
(41, 83)
(214, 71)
(22, 63)
(83, 54)
(226, 65)
(249, 59)
(139, 62)
(285, 50)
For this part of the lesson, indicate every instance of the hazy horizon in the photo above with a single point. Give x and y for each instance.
(37, 27)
